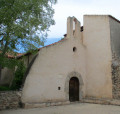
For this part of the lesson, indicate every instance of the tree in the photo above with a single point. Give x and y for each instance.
(24, 22)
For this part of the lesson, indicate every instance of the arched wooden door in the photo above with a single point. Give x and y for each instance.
(74, 89)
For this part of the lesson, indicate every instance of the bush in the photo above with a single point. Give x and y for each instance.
(19, 73)
(18, 78)
(4, 88)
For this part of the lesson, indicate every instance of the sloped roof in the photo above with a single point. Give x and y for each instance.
(19, 55)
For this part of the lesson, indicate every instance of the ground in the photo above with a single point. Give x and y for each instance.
(76, 108)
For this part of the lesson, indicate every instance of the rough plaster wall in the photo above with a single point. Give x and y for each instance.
(31, 57)
(115, 46)
(6, 76)
(51, 69)
(97, 40)
(115, 36)
(27, 59)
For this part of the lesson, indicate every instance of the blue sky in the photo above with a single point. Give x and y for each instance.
(78, 8)
(47, 42)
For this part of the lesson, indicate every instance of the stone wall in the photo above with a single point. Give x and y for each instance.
(10, 99)
(116, 77)
(115, 48)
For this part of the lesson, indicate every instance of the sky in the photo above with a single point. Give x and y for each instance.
(78, 8)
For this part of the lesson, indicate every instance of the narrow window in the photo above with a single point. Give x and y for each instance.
(74, 49)
(73, 27)
(59, 88)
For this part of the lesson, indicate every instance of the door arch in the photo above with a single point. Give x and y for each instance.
(81, 84)
(74, 89)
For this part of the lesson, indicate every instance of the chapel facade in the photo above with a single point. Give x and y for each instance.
(85, 63)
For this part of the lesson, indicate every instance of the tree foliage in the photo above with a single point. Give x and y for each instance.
(24, 22)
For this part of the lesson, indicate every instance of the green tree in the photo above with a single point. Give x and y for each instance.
(20, 19)
(24, 22)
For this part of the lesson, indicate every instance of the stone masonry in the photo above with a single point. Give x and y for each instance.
(116, 77)
(10, 99)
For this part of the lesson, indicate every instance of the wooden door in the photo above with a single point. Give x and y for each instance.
(74, 89)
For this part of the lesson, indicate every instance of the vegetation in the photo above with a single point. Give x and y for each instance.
(23, 23)
(18, 76)
(4, 88)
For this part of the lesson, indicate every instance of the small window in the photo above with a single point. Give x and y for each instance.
(74, 49)
(59, 88)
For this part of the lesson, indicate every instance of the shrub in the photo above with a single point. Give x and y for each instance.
(18, 78)
(4, 88)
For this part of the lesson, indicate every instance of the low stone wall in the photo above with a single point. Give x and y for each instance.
(10, 99)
